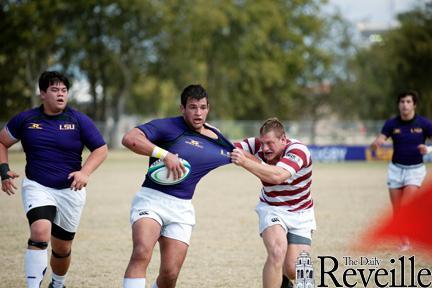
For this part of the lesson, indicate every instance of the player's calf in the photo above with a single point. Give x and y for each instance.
(35, 263)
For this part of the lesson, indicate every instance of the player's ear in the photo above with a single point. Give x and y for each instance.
(42, 95)
(182, 108)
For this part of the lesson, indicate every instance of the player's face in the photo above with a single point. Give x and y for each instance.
(195, 112)
(407, 106)
(272, 146)
(55, 98)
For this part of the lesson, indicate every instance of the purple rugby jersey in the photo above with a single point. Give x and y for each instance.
(406, 136)
(53, 144)
(203, 153)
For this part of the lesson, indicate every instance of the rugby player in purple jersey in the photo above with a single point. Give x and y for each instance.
(408, 132)
(164, 213)
(53, 136)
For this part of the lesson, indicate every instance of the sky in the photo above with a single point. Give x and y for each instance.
(380, 12)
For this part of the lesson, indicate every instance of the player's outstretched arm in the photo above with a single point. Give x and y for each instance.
(93, 161)
(267, 173)
(137, 141)
(378, 142)
(7, 176)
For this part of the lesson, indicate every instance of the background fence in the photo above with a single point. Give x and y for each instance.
(325, 132)
(329, 141)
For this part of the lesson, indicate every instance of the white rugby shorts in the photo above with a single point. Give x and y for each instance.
(300, 223)
(69, 203)
(175, 215)
(399, 176)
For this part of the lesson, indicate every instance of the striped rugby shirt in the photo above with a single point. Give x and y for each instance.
(294, 194)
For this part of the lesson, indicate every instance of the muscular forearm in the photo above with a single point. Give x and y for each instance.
(95, 158)
(3, 153)
(251, 157)
(136, 141)
(267, 173)
(5, 142)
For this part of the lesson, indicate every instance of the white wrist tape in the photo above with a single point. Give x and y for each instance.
(159, 153)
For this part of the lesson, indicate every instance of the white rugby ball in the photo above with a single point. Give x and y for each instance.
(158, 173)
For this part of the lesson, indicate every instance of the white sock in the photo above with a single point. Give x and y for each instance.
(35, 264)
(154, 285)
(134, 283)
(58, 281)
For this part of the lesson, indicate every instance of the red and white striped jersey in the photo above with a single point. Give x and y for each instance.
(294, 194)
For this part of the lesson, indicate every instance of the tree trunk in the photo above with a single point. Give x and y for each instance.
(119, 106)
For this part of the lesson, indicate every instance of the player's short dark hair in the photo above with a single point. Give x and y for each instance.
(273, 124)
(194, 91)
(48, 78)
(414, 95)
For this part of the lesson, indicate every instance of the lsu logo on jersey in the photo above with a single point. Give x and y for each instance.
(396, 131)
(225, 153)
(35, 126)
(417, 130)
(67, 126)
(194, 143)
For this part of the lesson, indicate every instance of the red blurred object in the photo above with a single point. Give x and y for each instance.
(413, 221)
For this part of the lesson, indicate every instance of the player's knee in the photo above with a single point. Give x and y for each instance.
(169, 274)
(141, 253)
(40, 233)
(276, 254)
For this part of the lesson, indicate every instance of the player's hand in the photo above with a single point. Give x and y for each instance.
(238, 157)
(80, 180)
(175, 168)
(423, 149)
(375, 145)
(8, 185)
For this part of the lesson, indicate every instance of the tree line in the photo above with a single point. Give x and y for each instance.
(284, 58)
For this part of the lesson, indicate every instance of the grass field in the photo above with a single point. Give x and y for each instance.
(225, 250)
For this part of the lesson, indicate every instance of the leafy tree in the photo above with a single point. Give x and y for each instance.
(376, 74)
(30, 30)
(411, 55)
(256, 58)
(108, 43)
(250, 54)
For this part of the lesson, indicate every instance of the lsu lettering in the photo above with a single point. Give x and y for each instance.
(416, 130)
(67, 126)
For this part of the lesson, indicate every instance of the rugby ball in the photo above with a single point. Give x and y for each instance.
(158, 173)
